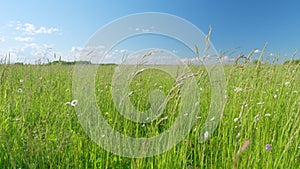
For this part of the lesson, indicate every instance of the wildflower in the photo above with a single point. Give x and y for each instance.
(21, 80)
(244, 146)
(287, 83)
(268, 147)
(236, 119)
(74, 103)
(238, 89)
(238, 135)
(191, 144)
(267, 115)
(275, 96)
(143, 125)
(206, 135)
(256, 118)
(106, 113)
(20, 90)
(201, 89)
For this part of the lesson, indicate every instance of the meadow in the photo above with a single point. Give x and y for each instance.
(260, 126)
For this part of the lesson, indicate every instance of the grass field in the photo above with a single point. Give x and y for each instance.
(260, 127)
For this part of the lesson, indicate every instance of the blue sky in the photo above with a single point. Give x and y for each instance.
(33, 29)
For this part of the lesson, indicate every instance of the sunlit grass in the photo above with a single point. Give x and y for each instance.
(39, 130)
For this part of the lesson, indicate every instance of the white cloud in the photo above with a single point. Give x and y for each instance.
(196, 60)
(10, 25)
(84, 53)
(46, 31)
(31, 45)
(257, 51)
(225, 58)
(23, 39)
(76, 49)
(29, 52)
(36, 50)
(144, 30)
(123, 50)
(87, 48)
(31, 29)
(2, 39)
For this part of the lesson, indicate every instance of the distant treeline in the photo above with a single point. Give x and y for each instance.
(75, 62)
(69, 63)
(292, 62)
(296, 62)
(65, 63)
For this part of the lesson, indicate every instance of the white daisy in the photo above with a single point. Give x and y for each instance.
(20, 90)
(206, 134)
(256, 118)
(238, 89)
(74, 103)
(236, 119)
(17, 119)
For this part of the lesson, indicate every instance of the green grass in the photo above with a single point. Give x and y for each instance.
(38, 130)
